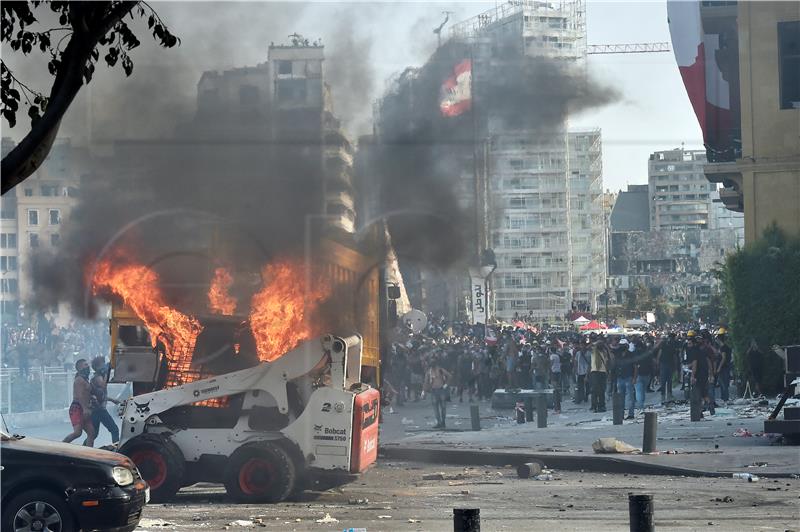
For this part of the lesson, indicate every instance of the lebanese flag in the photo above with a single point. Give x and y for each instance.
(695, 53)
(456, 93)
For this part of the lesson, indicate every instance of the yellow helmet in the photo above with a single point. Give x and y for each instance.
(721, 331)
(691, 334)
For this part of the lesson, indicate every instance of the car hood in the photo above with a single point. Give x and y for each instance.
(68, 450)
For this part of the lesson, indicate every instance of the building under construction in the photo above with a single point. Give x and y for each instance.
(530, 189)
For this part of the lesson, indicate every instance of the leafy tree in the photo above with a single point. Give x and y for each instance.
(762, 294)
(85, 30)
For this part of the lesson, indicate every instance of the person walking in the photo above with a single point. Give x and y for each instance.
(667, 360)
(723, 373)
(436, 384)
(702, 365)
(583, 361)
(643, 372)
(598, 375)
(99, 399)
(555, 380)
(624, 366)
(80, 412)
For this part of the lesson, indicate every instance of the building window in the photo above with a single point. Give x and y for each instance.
(55, 217)
(33, 240)
(28, 192)
(8, 263)
(9, 286)
(33, 217)
(789, 64)
(248, 95)
(55, 239)
(284, 67)
(8, 240)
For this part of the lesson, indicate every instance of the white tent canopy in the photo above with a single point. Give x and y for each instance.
(580, 321)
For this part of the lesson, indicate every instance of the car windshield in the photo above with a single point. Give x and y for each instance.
(423, 244)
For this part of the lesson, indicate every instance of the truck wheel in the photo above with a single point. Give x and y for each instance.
(160, 463)
(38, 510)
(260, 472)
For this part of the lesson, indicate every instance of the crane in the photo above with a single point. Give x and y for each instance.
(632, 48)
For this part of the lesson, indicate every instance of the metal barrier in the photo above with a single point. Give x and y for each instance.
(35, 390)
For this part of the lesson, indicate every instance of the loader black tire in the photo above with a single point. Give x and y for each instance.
(160, 462)
(260, 473)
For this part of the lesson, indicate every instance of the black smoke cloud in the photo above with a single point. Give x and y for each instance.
(425, 163)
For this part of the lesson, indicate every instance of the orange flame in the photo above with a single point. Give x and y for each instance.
(281, 312)
(137, 286)
(219, 300)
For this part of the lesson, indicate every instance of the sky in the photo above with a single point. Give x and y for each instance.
(367, 42)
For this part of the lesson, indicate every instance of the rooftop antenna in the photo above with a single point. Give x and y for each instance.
(438, 30)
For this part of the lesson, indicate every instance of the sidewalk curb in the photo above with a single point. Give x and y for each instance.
(560, 461)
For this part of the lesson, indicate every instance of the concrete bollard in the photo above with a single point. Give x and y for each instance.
(618, 407)
(640, 513)
(475, 417)
(695, 405)
(531, 469)
(466, 520)
(528, 408)
(650, 428)
(541, 411)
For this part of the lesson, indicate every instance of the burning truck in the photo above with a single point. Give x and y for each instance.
(259, 401)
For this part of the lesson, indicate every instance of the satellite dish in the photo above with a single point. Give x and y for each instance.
(415, 320)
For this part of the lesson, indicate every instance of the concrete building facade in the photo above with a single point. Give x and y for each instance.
(761, 178)
(680, 196)
(33, 216)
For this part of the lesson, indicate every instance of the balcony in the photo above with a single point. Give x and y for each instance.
(729, 175)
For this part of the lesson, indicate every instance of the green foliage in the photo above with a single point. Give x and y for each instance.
(762, 295)
(103, 25)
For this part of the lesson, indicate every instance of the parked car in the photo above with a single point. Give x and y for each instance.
(60, 487)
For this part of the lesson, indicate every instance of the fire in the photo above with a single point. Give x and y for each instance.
(219, 300)
(281, 312)
(137, 286)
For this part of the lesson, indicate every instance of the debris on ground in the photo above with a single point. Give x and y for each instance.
(723, 499)
(328, 519)
(433, 476)
(145, 522)
(613, 445)
(414, 521)
(749, 477)
(358, 501)
(242, 522)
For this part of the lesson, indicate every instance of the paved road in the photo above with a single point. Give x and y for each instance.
(393, 496)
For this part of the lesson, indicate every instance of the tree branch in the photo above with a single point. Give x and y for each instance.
(33, 149)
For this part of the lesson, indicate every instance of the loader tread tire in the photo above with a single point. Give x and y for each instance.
(260, 473)
(160, 462)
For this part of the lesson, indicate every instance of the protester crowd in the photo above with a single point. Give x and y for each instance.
(42, 343)
(451, 361)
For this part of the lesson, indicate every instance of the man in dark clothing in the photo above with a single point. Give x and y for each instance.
(667, 357)
(723, 373)
(624, 374)
(701, 359)
(598, 375)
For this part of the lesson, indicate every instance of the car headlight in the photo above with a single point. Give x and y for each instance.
(122, 476)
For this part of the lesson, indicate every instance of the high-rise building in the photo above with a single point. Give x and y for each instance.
(284, 102)
(679, 193)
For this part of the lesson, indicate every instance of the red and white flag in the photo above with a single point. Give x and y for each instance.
(695, 53)
(456, 93)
